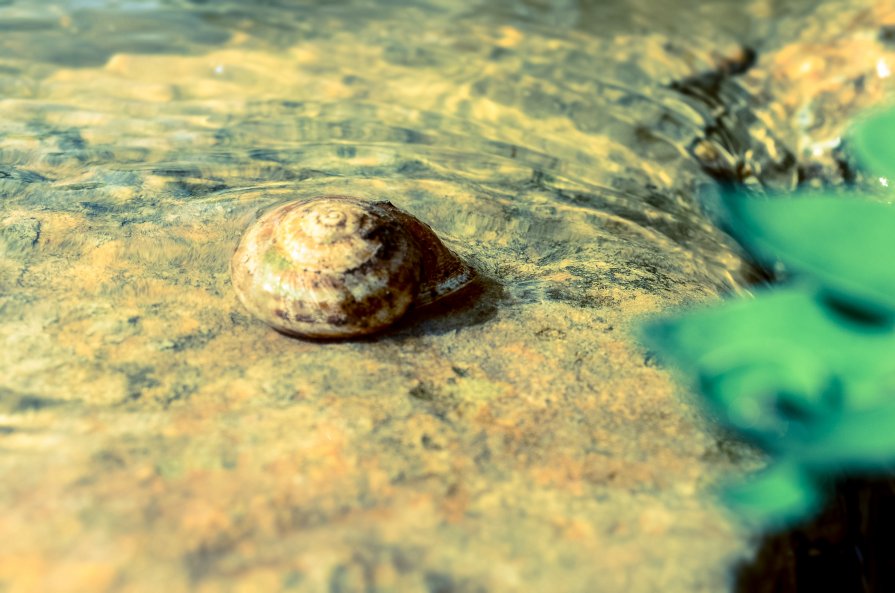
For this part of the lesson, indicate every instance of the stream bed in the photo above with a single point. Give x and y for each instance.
(154, 436)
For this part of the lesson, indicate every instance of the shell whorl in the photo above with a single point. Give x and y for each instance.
(336, 266)
(327, 235)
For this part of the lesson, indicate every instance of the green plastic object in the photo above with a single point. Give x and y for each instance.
(778, 367)
(846, 243)
(858, 440)
(873, 142)
(805, 370)
(776, 497)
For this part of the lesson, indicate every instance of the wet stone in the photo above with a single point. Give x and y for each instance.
(154, 435)
(21, 235)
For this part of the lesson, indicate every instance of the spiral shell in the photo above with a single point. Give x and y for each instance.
(338, 267)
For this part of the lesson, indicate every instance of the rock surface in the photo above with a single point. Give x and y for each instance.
(155, 437)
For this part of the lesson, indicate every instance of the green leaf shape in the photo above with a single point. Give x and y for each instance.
(771, 392)
(777, 497)
(858, 440)
(873, 142)
(777, 367)
(845, 243)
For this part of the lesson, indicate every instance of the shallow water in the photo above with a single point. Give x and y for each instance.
(537, 136)
(155, 435)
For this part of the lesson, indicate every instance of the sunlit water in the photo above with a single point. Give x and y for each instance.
(512, 127)
(154, 433)
(566, 130)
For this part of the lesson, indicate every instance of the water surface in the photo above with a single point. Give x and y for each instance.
(153, 435)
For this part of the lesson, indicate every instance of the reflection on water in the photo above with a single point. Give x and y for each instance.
(151, 428)
(540, 137)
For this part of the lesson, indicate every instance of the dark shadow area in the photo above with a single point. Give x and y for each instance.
(475, 304)
(849, 547)
(15, 402)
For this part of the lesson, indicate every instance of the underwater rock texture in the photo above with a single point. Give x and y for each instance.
(154, 436)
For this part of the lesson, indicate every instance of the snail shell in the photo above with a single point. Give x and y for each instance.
(338, 267)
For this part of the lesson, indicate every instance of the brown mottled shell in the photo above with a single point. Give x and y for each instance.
(337, 267)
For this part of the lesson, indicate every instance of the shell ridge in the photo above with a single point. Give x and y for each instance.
(338, 266)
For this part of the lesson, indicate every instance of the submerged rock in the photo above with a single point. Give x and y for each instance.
(514, 441)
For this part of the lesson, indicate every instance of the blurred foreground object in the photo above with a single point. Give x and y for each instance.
(806, 371)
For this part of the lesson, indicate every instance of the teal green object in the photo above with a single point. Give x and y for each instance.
(777, 368)
(873, 142)
(811, 385)
(846, 243)
(777, 496)
(806, 370)
(857, 440)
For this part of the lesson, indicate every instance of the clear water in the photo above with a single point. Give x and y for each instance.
(154, 436)
(551, 127)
